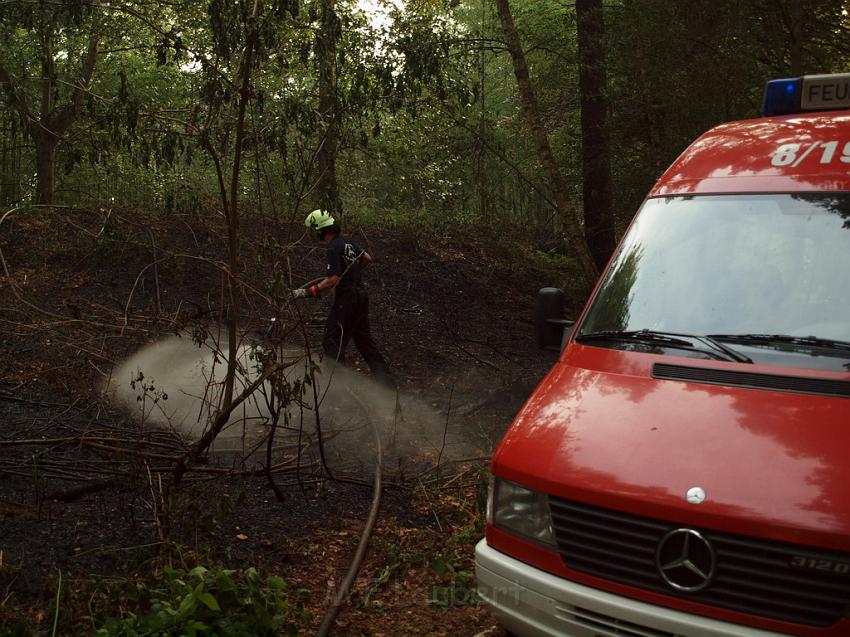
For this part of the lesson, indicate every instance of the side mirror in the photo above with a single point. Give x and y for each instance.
(549, 322)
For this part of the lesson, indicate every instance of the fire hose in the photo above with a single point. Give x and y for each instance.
(311, 283)
(273, 321)
(360, 553)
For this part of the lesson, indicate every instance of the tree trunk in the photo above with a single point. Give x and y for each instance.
(797, 34)
(227, 403)
(43, 136)
(569, 215)
(233, 215)
(45, 150)
(480, 156)
(49, 125)
(326, 41)
(7, 153)
(595, 149)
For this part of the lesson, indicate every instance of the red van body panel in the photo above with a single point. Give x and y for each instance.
(741, 157)
(590, 427)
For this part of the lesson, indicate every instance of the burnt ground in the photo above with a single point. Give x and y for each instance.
(81, 483)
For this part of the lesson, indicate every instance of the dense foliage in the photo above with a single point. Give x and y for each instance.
(416, 102)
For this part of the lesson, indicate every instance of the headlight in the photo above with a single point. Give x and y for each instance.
(520, 511)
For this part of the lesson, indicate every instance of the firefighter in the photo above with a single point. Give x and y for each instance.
(349, 315)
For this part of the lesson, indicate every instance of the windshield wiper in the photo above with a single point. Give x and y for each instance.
(733, 354)
(671, 339)
(806, 341)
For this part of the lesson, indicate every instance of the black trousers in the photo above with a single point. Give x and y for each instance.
(349, 319)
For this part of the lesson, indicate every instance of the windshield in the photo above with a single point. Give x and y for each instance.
(734, 265)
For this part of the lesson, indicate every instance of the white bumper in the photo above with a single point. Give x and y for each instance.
(531, 603)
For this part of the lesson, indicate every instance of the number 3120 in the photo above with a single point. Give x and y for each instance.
(821, 565)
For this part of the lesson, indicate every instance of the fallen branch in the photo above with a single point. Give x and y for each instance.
(81, 490)
(78, 440)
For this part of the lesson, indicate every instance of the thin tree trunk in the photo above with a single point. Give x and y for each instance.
(233, 216)
(569, 215)
(4, 165)
(326, 41)
(480, 157)
(595, 150)
(45, 145)
(231, 205)
(44, 138)
(797, 33)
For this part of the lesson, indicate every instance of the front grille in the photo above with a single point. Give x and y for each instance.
(753, 576)
(606, 626)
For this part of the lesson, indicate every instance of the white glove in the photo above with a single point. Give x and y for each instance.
(299, 293)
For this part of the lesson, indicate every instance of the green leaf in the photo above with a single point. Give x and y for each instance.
(208, 600)
(441, 567)
(187, 606)
(276, 583)
(225, 582)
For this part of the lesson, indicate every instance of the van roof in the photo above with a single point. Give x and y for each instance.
(791, 153)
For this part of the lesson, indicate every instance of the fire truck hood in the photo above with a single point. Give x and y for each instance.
(600, 429)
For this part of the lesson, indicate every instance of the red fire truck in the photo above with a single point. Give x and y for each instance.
(684, 468)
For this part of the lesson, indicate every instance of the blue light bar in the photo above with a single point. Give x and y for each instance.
(782, 97)
(807, 94)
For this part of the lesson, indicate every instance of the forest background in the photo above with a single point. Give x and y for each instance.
(388, 112)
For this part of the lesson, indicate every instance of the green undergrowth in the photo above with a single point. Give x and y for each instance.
(431, 564)
(211, 602)
(174, 603)
(459, 512)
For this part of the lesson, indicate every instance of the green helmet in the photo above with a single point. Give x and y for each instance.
(319, 219)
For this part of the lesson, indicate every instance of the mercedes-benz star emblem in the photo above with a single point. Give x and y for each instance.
(686, 560)
(696, 495)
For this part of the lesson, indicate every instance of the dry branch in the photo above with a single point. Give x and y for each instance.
(223, 415)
